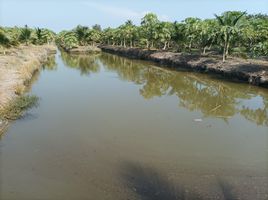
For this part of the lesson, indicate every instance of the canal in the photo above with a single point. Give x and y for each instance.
(111, 128)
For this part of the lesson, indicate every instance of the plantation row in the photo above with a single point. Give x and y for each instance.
(14, 36)
(233, 32)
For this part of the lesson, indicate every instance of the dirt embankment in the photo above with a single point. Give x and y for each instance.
(247, 70)
(17, 67)
(83, 50)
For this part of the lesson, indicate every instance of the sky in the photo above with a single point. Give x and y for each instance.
(66, 14)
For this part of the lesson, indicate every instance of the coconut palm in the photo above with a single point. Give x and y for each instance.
(149, 25)
(4, 40)
(208, 33)
(25, 35)
(191, 31)
(229, 22)
(82, 34)
(165, 30)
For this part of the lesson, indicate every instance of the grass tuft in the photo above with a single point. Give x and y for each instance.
(17, 107)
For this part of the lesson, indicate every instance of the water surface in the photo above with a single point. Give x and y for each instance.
(112, 128)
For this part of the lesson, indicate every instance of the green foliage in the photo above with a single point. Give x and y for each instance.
(25, 35)
(230, 27)
(43, 36)
(15, 36)
(82, 34)
(231, 33)
(67, 39)
(149, 25)
(16, 108)
(4, 40)
(225, 34)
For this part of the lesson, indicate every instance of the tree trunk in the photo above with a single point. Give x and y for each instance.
(204, 50)
(227, 49)
(190, 46)
(165, 46)
(224, 52)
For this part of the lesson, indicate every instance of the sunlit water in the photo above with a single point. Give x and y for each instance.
(112, 128)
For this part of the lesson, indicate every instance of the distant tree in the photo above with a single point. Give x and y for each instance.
(191, 30)
(82, 34)
(25, 35)
(208, 33)
(97, 27)
(4, 40)
(149, 25)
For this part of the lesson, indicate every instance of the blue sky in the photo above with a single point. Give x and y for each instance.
(66, 14)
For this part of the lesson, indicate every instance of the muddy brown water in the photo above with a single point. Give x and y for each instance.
(112, 128)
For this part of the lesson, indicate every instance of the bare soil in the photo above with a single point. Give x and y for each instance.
(83, 50)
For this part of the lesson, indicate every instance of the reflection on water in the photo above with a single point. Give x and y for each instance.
(86, 64)
(199, 92)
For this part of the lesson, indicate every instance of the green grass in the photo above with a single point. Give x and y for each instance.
(17, 107)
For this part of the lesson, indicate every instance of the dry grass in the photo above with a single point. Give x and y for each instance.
(17, 106)
(17, 67)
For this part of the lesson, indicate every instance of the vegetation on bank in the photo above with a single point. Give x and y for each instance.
(231, 33)
(12, 37)
(18, 65)
(17, 107)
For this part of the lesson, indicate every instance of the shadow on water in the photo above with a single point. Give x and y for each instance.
(150, 184)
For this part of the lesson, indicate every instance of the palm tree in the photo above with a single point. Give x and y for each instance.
(164, 33)
(191, 31)
(82, 34)
(229, 22)
(67, 40)
(4, 41)
(149, 25)
(25, 35)
(207, 34)
(38, 33)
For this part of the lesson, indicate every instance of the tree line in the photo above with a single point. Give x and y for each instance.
(231, 33)
(10, 37)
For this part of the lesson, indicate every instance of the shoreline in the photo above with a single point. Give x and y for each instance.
(254, 72)
(18, 66)
(82, 50)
